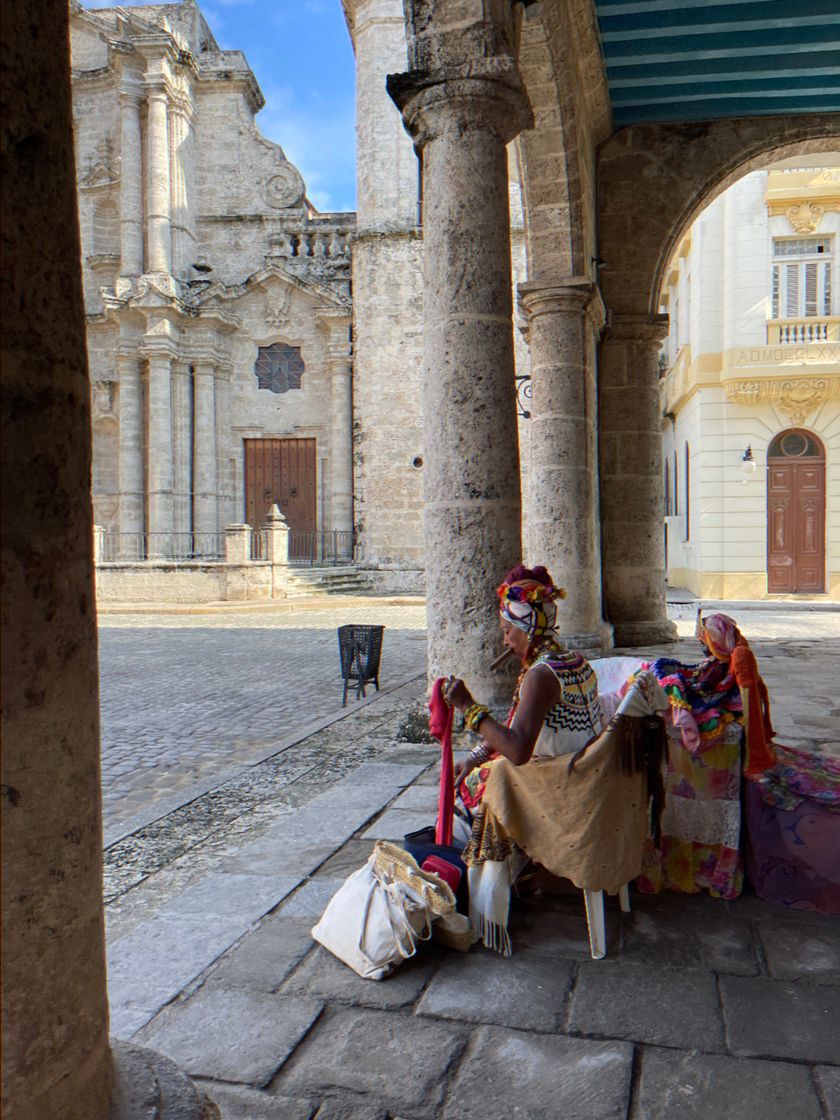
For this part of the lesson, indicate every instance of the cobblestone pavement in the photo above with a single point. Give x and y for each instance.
(703, 1010)
(187, 698)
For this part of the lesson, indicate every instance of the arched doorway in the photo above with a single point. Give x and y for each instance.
(795, 513)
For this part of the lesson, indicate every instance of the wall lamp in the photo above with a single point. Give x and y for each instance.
(748, 465)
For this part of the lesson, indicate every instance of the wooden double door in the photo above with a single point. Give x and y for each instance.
(795, 514)
(281, 471)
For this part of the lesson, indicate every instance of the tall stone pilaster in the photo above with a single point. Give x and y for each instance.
(461, 124)
(227, 510)
(205, 489)
(182, 408)
(159, 470)
(158, 181)
(131, 183)
(632, 497)
(340, 364)
(183, 241)
(131, 446)
(564, 532)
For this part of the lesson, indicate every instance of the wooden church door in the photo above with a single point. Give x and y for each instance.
(795, 514)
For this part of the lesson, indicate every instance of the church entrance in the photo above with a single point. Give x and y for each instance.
(795, 513)
(281, 471)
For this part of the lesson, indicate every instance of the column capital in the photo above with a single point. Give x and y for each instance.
(570, 296)
(486, 97)
(644, 330)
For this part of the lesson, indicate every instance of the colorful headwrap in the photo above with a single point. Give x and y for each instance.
(719, 633)
(529, 605)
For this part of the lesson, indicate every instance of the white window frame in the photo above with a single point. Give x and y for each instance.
(801, 280)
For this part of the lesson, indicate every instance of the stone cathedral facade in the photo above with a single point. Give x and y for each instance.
(217, 298)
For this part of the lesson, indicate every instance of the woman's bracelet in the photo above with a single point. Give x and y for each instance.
(474, 714)
(480, 753)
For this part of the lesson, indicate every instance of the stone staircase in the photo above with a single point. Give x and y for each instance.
(303, 582)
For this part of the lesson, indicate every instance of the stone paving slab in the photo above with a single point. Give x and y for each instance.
(679, 1086)
(517, 1076)
(671, 932)
(397, 823)
(557, 928)
(527, 990)
(237, 1102)
(647, 1004)
(323, 976)
(232, 1034)
(264, 957)
(796, 953)
(770, 1019)
(828, 1083)
(378, 1057)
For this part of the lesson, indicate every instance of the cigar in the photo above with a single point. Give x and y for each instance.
(501, 659)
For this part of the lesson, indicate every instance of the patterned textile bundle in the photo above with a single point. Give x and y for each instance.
(800, 775)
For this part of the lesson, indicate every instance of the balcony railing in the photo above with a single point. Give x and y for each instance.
(320, 549)
(796, 332)
(173, 547)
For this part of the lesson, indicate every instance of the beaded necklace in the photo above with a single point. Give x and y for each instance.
(537, 648)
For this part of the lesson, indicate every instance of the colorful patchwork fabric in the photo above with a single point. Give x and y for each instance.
(799, 776)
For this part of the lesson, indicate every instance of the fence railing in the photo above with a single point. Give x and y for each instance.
(318, 549)
(135, 547)
(790, 332)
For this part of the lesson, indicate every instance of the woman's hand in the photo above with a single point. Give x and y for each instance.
(464, 768)
(456, 694)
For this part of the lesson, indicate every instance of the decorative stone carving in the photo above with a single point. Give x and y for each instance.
(285, 188)
(795, 397)
(277, 301)
(805, 216)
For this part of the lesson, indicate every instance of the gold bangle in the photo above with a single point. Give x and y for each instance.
(474, 714)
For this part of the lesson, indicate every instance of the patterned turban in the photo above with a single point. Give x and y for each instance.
(719, 633)
(529, 605)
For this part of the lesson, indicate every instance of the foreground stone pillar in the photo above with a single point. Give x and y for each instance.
(160, 454)
(131, 450)
(158, 182)
(131, 193)
(472, 492)
(204, 451)
(564, 467)
(56, 1061)
(632, 500)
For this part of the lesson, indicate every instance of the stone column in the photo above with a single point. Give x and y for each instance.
(224, 483)
(472, 488)
(341, 447)
(131, 184)
(182, 447)
(160, 453)
(180, 126)
(158, 182)
(131, 452)
(632, 500)
(56, 1061)
(205, 517)
(563, 506)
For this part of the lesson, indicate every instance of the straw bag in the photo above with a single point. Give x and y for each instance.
(378, 915)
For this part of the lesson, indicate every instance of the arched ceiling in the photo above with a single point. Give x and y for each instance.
(700, 60)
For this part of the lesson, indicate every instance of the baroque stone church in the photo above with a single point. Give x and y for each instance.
(217, 298)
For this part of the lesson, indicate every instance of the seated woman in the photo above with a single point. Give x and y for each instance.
(721, 710)
(527, 799)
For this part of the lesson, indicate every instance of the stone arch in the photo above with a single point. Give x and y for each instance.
(571, 115)
(653, 181)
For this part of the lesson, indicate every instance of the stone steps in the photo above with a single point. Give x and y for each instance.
(302, 582)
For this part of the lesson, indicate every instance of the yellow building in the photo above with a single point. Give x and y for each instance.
(751, 389)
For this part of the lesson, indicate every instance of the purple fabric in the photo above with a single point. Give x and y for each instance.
(793, 855)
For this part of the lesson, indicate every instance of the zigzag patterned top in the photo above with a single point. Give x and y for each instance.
(577, 716)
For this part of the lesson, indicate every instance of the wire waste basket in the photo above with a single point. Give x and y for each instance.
(360, 648)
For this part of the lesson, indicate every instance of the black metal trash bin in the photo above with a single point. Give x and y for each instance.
(360, 648)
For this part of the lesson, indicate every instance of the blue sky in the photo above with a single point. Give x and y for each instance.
(301, 55)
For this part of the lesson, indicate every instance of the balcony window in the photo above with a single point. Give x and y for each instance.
(801, 277)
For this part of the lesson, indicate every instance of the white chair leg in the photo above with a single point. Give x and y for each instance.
(624, 898)
(594, 901)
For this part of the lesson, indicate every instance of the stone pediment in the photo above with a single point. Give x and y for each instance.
(99, 175)
(154, 292)
(277, 285)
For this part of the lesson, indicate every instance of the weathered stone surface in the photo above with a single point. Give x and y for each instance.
(231, 897)
(794, 953)
(527, 990)
(381, 1056)
(394, 824)
(349, 858)
(310, 901)
(828, 1080)
(325, 977)
(672, 932)
(233, 1035)
(512, 1075)
(557, 927)
(707, 1087)
(647, 1004)
(342, 1110)
(767, 1018)
(240, 1103)
(265, 957)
